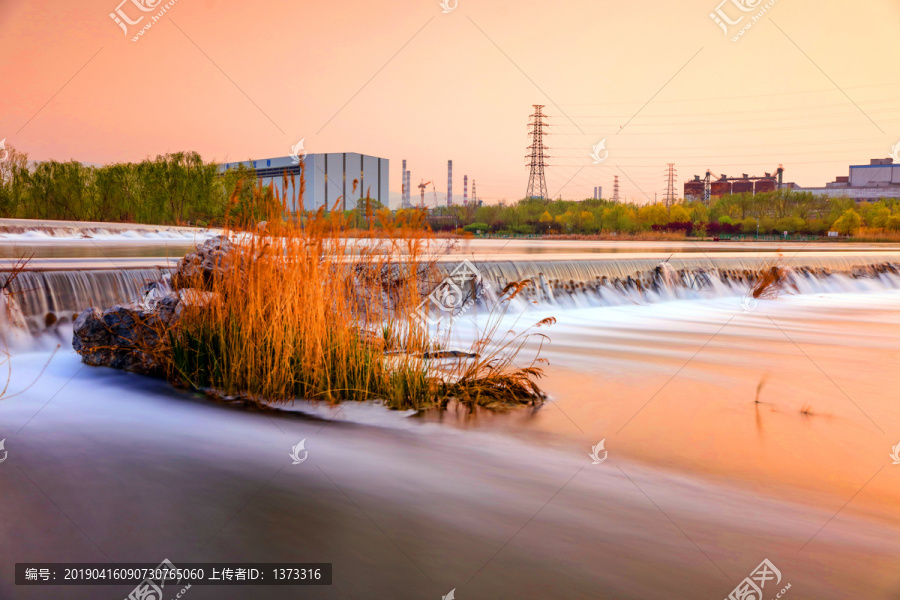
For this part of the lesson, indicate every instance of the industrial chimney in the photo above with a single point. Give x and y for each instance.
(449, 183)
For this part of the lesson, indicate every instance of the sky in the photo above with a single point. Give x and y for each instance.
(810, 85)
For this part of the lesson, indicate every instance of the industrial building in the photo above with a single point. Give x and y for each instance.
(866, 183)
(329, 177)
(708, 187)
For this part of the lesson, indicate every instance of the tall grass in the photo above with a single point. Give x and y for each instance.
(298, 310)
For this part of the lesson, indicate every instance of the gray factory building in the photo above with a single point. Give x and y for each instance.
(880, 179)
(329, 178)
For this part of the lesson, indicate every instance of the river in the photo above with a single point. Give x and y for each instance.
(732, 432)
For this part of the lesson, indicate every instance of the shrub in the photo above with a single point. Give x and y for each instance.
(476, 227)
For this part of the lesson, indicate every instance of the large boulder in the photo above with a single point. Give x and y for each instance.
(203, 266)
(134, 336)
(128, 337)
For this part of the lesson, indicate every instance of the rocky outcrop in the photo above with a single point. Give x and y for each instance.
(200, 268)
(133, 336)
(128, 337)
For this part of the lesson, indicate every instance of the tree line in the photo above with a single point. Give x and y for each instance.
(183, 189)
(768, 213)
(172, 189)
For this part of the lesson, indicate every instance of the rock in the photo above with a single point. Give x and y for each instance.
(200, 268)
(129, 337)
(133, 336)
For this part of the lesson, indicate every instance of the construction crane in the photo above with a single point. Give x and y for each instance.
(422, 187)
(434, 190)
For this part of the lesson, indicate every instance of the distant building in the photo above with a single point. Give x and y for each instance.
(329, 178)
(697, 188)
(866, 183)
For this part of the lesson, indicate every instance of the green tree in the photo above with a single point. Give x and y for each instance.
(848, 223)
(679, 214)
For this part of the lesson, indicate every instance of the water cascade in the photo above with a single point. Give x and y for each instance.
(46, 299)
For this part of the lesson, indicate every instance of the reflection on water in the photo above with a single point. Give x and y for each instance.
(108, 250)
(733, 435)
(793, 397)
(146, 245)
(702, 481)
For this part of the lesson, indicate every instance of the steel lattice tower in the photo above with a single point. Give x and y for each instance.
(615, 196)
(670, 187)
(537, 182)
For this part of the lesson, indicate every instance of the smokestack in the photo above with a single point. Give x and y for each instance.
(474, 199)
(465, 190)
(408, 189)
(449, 183)
(403, 186)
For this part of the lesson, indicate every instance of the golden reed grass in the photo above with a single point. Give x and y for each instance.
(299, 310)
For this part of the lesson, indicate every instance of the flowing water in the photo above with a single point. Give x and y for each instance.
(733, 430)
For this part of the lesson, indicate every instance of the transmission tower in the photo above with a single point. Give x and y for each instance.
(615, 196)
(670, 187)
(537, 183)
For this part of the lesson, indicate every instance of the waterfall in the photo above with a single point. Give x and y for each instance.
(641, 280)
(46, 298)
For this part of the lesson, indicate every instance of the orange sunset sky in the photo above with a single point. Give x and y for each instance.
(812, 85)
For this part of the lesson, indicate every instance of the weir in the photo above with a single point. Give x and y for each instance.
(47, 298)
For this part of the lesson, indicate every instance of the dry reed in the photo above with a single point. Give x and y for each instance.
(300, 311)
